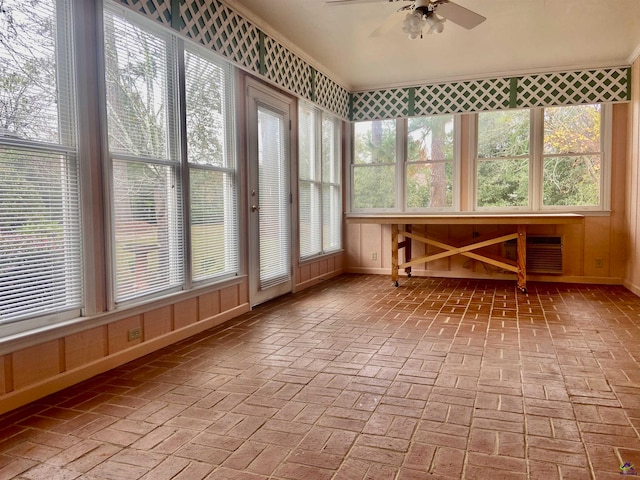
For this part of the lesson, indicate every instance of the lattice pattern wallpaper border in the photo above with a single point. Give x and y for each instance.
(219, 28)
(604, 85)
(157, 10)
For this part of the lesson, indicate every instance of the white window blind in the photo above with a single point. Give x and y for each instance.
(331, 184)
(274, 201)
(319, 182)
(146, 195)
(309, 185)
(40, 247)
(212, 167)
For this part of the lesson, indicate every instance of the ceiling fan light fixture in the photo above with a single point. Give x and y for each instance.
(413, 24)
(420, 19)
(435, 24)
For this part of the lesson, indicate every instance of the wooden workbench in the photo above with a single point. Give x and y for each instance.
(401, 226)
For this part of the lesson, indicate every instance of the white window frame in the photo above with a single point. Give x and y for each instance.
(180, 258)
(230, 169)
(401, 166)
(172, 162)
(455, 195)
(318, 208)
(66, 146)
(536, 167)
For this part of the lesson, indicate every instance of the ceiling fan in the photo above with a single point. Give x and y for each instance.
(422, 16)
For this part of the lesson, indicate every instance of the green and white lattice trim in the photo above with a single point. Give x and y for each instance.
(158, 10)
(330, 96)
(223, 30)
(570, 88)
(605, 85)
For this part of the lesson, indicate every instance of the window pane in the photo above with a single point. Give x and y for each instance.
(331, 140)
(213, 187)
(40, 252)
(320, 205)
(430, 185)
(503, 183)
(274, 198)
(331, 218)
(572, 181)
(207, 119)
(307, 162)
(430, 138)
(40, 237)
(147, 237)
(574, 129)
(375, 142)
(503, 134)
(310, 219)
(35, 91)
(213, 224)
(137, 89)
(374, 186)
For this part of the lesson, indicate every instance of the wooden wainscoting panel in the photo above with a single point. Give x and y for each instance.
(185, 313)
(208, 305)
(156, 323)
(85, 347)
(119, 333)
(35, 364)
(229, 298)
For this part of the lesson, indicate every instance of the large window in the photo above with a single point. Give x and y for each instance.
(212, 167)
(140, 83)
(147, 153)
(40, 248)
(405, 165)
(542, 159)
(320, 198)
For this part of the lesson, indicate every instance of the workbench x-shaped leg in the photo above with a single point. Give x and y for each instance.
(467, 251)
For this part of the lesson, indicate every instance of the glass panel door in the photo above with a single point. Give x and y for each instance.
(269, 194)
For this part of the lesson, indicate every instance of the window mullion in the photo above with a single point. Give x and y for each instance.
(317, 168)
(606, 132)
(537, 159)
(181, 150)
(401, 163)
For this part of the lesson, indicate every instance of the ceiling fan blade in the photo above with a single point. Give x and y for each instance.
(459, 14)
(389, 24)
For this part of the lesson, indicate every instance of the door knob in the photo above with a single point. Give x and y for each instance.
(255, 208)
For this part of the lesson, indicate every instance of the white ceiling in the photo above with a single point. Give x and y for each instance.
(519, 36)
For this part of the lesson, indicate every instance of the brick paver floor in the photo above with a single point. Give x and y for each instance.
(355, 379)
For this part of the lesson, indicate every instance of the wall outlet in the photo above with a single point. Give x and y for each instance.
(134, 334)
(374, 255)
(598, 262)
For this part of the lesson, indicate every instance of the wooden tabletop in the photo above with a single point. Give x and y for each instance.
(467, 219)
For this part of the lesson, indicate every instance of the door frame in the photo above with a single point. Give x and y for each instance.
(256, 92)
